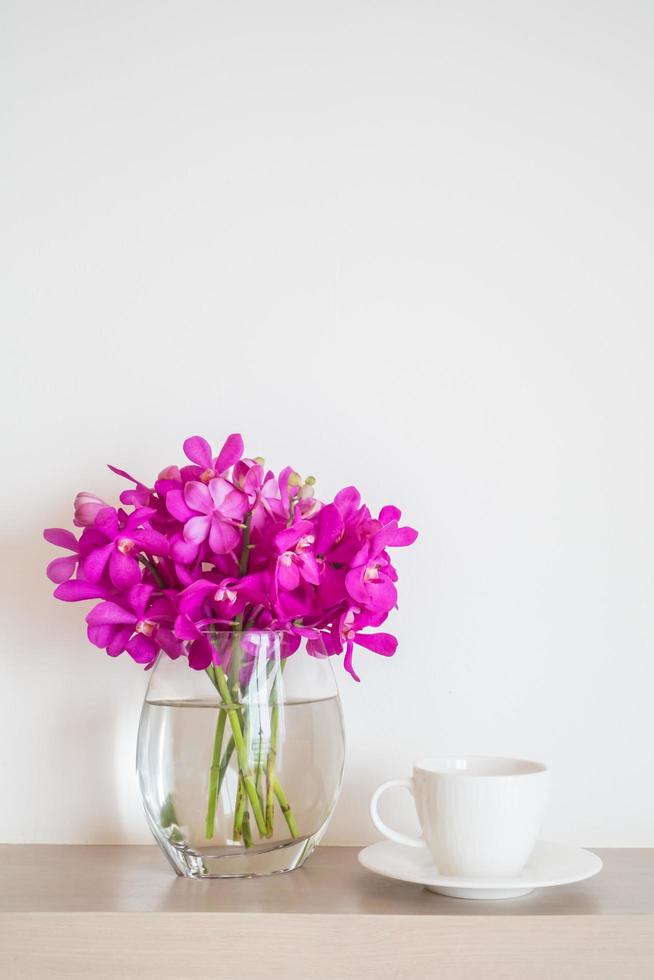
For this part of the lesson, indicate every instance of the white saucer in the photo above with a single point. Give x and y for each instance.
(549, 864)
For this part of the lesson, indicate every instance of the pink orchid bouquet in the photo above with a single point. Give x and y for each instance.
(222, 544)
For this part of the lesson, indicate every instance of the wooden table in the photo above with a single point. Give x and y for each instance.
(119, 912)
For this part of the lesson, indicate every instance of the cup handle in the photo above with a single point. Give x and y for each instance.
(387, 831)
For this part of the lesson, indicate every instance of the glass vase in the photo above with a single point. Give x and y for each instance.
(240, 765)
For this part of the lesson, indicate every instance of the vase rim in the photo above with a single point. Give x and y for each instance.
(208, 630)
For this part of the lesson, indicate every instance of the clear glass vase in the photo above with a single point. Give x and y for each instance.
(240, 765)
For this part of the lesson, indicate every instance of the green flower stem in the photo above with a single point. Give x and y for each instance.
(270, 770)
(242, 817)
(224, 762)
(273, 786)
(249, 788)
(238, 811)
(258, 766)
(214, 774)
(156, 574)
(285, 807)
(241, 749)
(247, 833)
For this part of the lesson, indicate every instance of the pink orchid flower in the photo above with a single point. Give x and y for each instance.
(221, 543)
(206, 467)
(121, 538)
(212, 512)
(370, 582)
(135, 625)
(296, 559)
(348, 631)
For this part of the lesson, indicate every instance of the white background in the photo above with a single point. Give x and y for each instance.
(406, 245)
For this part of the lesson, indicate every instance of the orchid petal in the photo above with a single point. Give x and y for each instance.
(402, 537)
(76, 590)
(288, 576)
(197, 497)
(218, 488)
(197, 529)
(119, 641)
(347, 501)
(126, 476)
(382, 643)
(255, 587)
(289, 537)
(310, 568)
(138, 597)
(192, 599)
(355, 584)
(289, 643)
(135, 497)
(330, 528)
(253, 479)
(168, 643)
(151, 541)
(185, 628)
(183, 551)
(95, 562)
(109, 613)
(177, 506)
(101, 636)
(392, 536)
(347, 662)
(198, 451)
(124, 570)
(141, 648)
(223, 538)
(141, 514)
(60, 569)
(230, 453)
(235, 505)
(106, 520)
(61, 538)
(200, 654)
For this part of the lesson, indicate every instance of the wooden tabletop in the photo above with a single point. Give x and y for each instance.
(121, 910)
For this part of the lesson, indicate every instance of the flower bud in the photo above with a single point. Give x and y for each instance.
(87, 506)
(170, 473)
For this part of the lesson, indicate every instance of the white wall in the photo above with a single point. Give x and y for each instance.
(403, 244)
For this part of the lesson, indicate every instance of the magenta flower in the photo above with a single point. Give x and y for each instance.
(267, 504)
(222, 544)
(135, 625)
(206, 467)
(370, 582)
(224, 598)
(295, 559)
(120, 540)
(349, 629)
(212, 512)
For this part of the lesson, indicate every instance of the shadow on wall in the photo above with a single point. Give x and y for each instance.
(69, 715)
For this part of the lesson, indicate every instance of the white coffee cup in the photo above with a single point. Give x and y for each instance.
(480, 815)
